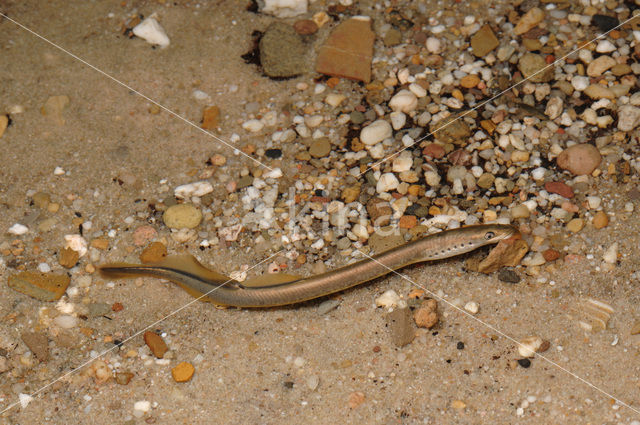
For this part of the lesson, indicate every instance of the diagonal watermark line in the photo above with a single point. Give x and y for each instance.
(175, 114)
(481, 104)
(502, 334)
(35, 393)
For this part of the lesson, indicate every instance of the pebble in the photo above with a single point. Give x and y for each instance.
(76, 243)
(38, 344)
(124, 377)
(628, 117)
(68, 258)
(508, 275)
(155, 343)
(610, 256)
(520, 211)
(426, 316)
(598, 91)
(580, 159)
(379, 211)
(65, 321)
(472, 307)
(18, 229)
(305, 27)
(140, 408)
(575, 225)
(388, 299)
(150, 31)
(53, 108)
(400, 325)
(600, 65)
(282, 51)
(458, 404)
(210, 117)
(529, 346)
(559, 188)
(154, 253)
(41, 286)
(356, 399)
(605, 46)
(506, 253)
(253, 125)
(580, 82)
(198, 189)
(550, 254)
(320, 147)
(398, 120)
(387, 182)
(402, 162)
(183, 372)
(375, 132)
(604, 23)
(530, 20)
(312, 382)
(348, 50)
(328, 305)
(4, 123)
(433, 45)
(484, 41)
(182, 216)
(530, 63)
(554, 108)
(143, 234)
(600, 220)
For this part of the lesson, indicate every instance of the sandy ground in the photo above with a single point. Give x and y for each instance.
(253, 366)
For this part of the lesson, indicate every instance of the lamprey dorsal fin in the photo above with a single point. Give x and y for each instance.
(189, 264)
(269, 280)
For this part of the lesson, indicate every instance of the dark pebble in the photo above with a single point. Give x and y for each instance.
(288, 384)
(525, 363)
(460, 345)
(508, 275)
(273, 153)
(634, 194)
(605, 23)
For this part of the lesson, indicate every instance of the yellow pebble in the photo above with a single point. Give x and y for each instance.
(575, 225)
(183, 372)
(600, 220)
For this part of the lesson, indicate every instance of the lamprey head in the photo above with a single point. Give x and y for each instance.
(487, 234)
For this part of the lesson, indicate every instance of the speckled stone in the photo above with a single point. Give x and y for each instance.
(182, 216)
(282, 51)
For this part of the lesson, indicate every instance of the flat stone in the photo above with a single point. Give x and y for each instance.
(579, 159)
(375, 132)
(598, 91)
(628, 117)
(155, 343)
(529, 21)
(507, 253)
(426, 316)
(348, 50)
(210, 117)
(68, 258)
(320, 147)
(600, 65)
(559, 188)
(282, 51)
(53, 108)
(530, 63)
(400, 326)
(384, 240)
(153, 253)
(484, 41)
(182, 216)
(508, 275)
(38, 344)
(41, 286)
(456, 130)
(183, 372)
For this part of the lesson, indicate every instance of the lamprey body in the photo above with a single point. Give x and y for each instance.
(282, 289)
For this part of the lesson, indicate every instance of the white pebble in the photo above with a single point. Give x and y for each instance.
(472, 307)
(65, 321)
(200, 95)
(403, 162)
(579, 82)
(58, 171)
(253, 125)
(18, 229)
(611, 254)
(76, 243)
(404, 101)
(538, 173)
(398, 119)
(199, 189)
(151, 32)
(375, 132)
(434, 45)
(605, 46)
(389, 299)
(141, 407)
(334, 99)
(387, 182)
(44, 268)
(25, 399)
(528, 346)
(312, 382)
(418, 90)
(594, 202)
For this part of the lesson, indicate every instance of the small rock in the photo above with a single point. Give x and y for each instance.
(400, 326)
(554, 108)
(559, 188)
(41, 286)
(635, 329)
(385, 241)
(155, 343)
(143, 234)
(150, 31)
(403, 101)
(550, 254)
(53, 108)
(628, 117)
(210, 117)
(529, 21)
(408, 222)
(451, 130)
(380, 211)
(356, 399)
(141, 407)
(524, 363)
(389, 298)
(508, 253)
(68, 257)
(65, 321)
(472, 307)
(579, 159)
(282, 51)
(604, 23)
(387, 182)
(469, 81)
(182, 372)
(154, 253)
(600, 65)
(575, 225)
(598, 91)
(402, 162)
(348, 50)
(610, 256)
(530, 64)
(305, 27)
(284, 8)
(375, 132)
(520, 211)
(529, 346)
(605, 46)
(350, 193)
(433, 150)
(328, 305)
(38, 344)
(182, 216)
(458, 404)
(484, 41)
(320, 147)
(426, 316)
(99, 309)
(508, 275)
(123, 378)
(600, 220)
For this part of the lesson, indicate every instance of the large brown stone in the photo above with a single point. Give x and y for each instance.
(348, 50)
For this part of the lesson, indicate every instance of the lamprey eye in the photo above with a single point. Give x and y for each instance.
(489, 235)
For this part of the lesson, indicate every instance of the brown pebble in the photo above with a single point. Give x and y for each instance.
(377, 348)
(579, 159)
(218, 160)
(507, 253)
(100, 243)
(183, 372)
(469, 81)
(408, 221)
(305, 27)
(484, 41)
(123, 378)
(559, 188)
(68, 257)
(400, 326)
(117, 307)
(210, 117)
(41, 286)
(379, 211)
(155, 343)
(433, 150)
(426, 316)
(38, 344)
(143, 234)
(550, 255)
(154, 253)
(600, 220)
(356, 399)
(350, 193)
(635, 329)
